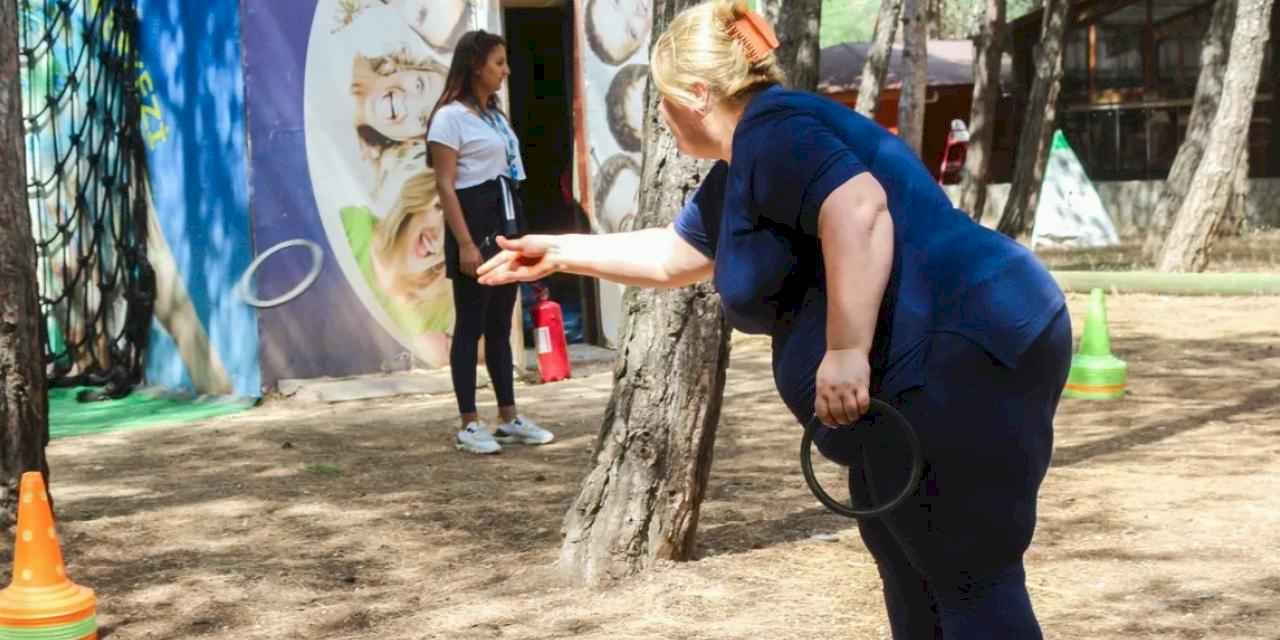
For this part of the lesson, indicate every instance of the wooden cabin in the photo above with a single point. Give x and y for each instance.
(1129, 77)
(949, 95)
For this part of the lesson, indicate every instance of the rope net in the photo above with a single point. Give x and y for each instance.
(86, 190)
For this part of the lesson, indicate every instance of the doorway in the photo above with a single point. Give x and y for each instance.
(540, 92)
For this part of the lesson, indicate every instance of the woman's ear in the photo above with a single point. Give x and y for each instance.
(703, 96)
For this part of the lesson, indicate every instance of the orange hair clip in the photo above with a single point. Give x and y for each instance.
(754, 32)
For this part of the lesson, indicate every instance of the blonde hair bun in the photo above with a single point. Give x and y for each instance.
(719, 44)
(752, 31)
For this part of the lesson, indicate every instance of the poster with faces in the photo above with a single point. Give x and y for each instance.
(373, 72)
(616, 69)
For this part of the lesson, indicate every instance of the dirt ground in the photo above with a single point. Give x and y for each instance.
(1160, 517)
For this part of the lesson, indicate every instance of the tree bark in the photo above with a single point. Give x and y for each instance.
(915, 64)
(1272, 162)
(876, 67)
(1209, 193)
(1213, 68)
(639, 504)
(797, 29)
(953, 19)
(982, 120)
(1235, 218)
(1037, 130)
(24, 402)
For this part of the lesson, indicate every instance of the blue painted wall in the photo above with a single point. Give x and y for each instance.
(204, 337)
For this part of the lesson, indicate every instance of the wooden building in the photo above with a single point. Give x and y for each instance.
(949, 95)
(1129, 77)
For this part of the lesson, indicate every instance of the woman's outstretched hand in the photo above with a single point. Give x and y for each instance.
(843, 383)
(521, 260)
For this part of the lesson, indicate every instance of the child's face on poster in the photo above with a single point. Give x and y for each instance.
(398, 105)
(618, 28)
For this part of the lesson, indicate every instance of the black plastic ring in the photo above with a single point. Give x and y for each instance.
(897, 420)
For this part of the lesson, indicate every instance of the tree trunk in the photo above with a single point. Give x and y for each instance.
(982, 119)
(1209, 193)
(797, 29)
(1213, 68)
(915, 64)
(1037, 130)
(1272, 163)
(953, 19)
(1235, 218)
(639, 504)
(24, 402)
(877, 64)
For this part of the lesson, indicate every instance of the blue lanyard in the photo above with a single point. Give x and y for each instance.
(495, 122)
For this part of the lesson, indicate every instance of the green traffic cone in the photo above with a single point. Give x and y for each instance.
(1096, 374)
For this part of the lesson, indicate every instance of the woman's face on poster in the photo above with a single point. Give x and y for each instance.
(616, 196)
(398, 105)
(420, 245)
(618, 28)
(437, 21)
(625, 103)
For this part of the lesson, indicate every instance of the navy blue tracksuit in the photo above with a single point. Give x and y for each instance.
(972, 343)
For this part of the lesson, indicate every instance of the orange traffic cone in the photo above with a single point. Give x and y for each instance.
(40, 601)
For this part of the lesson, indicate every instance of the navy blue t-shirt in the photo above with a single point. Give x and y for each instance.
(757, 218)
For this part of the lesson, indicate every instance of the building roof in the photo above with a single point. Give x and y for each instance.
(950, 64)
(1133, 12)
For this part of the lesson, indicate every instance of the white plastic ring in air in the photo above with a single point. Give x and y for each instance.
(251, 298)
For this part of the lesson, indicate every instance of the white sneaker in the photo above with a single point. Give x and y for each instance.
(523, 431)
(476, 439)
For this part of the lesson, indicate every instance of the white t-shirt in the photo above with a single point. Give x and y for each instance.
(483, 151)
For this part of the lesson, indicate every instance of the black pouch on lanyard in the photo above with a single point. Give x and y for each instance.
(512, 209)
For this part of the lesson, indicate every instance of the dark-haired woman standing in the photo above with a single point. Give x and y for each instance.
(476, 158)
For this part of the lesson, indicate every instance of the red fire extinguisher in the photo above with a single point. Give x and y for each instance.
(548, 335)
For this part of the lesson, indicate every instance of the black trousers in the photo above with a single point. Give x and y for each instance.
(950, 557)
(482, 311)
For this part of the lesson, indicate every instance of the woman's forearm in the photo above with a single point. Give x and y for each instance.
(857, 245)
(647, 258)
(453, 215)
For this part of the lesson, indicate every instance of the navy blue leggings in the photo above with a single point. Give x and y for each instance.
(481, 310)
(950, 557)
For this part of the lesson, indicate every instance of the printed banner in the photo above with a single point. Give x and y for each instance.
(204, 336)
(347, 225)
(616, 67)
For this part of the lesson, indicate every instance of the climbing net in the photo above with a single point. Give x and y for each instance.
(86, 189)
